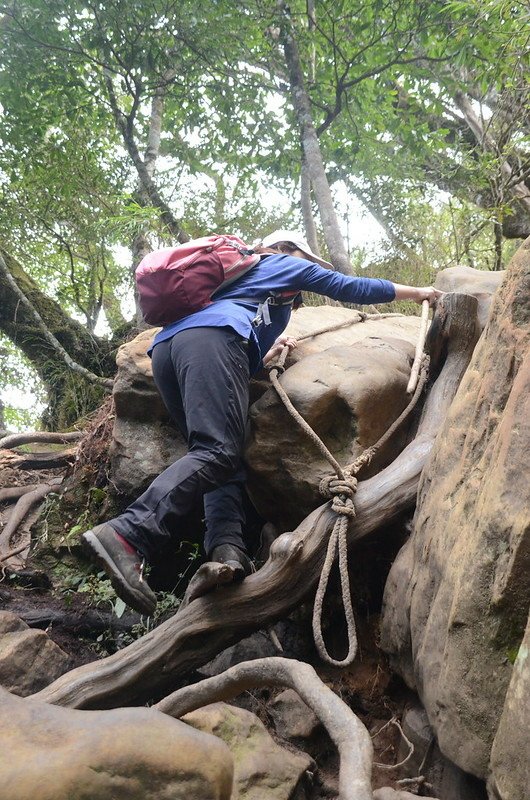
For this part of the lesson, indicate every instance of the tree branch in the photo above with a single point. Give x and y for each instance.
(124, 125)
(485, 139)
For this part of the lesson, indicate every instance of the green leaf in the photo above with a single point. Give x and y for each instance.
(119, 607)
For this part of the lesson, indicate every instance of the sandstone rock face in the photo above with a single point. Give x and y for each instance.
(457, 597)
(29, 660)
(314, 319)
(349, 395)
(144, 442)
(478, 282)
(53, 753)
(510, 756)
(262, 769)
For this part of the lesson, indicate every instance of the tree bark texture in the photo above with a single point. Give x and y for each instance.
(16, 439)
(48, 335)
(154, 664)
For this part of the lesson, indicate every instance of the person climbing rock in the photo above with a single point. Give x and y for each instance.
(202, 365)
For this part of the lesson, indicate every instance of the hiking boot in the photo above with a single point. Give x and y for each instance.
(235, 558)
(122, 564)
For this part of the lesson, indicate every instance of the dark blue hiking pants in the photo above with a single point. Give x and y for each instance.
(202, 375)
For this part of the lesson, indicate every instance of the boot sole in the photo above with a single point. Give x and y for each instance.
(124, 590)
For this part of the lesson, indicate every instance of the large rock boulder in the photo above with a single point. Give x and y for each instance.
(457, 597)
(53, 753)
(144, 442)
(349, 393)
(29, 660)
(480, 283)
(262, 769)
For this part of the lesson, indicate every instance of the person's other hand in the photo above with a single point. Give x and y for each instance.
(417, 293)
(428, 293)
(287, 341)
(277, 347)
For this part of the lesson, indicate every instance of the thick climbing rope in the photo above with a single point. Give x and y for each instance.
(341, 488)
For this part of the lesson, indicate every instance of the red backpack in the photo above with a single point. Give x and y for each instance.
(177, 281)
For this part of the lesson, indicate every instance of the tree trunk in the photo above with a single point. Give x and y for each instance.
(19, 324)
(154, 664)
(311, 148)
(140, 244)
(307, 208)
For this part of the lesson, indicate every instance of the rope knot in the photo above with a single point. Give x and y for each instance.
(341, 491)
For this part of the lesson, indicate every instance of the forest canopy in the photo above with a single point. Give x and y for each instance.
(130, 125)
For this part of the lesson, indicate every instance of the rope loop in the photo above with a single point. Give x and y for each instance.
(340, 488)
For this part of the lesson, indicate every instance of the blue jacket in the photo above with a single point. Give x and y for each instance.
(273, 274)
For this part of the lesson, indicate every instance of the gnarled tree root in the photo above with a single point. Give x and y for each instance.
(152, 665)
(14, 492)
(25, 502)
(48, 437)
(51, 460)
(344, 728)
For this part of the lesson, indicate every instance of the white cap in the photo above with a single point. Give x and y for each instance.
(299, 242)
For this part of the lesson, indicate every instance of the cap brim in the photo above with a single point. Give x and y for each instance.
(317, 260)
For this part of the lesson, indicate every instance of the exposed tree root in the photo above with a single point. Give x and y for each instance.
(15, 552)
(25, 502)
(16, 439)
(89, 621)
(154, 663)
(344, 728)
(93, 449)
(49, 460)
(16, 491)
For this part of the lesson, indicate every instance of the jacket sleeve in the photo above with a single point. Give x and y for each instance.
(346, 288)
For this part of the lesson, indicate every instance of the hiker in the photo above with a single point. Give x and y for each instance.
(202, 365)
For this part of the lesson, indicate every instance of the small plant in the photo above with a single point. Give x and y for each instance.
(97, 587)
